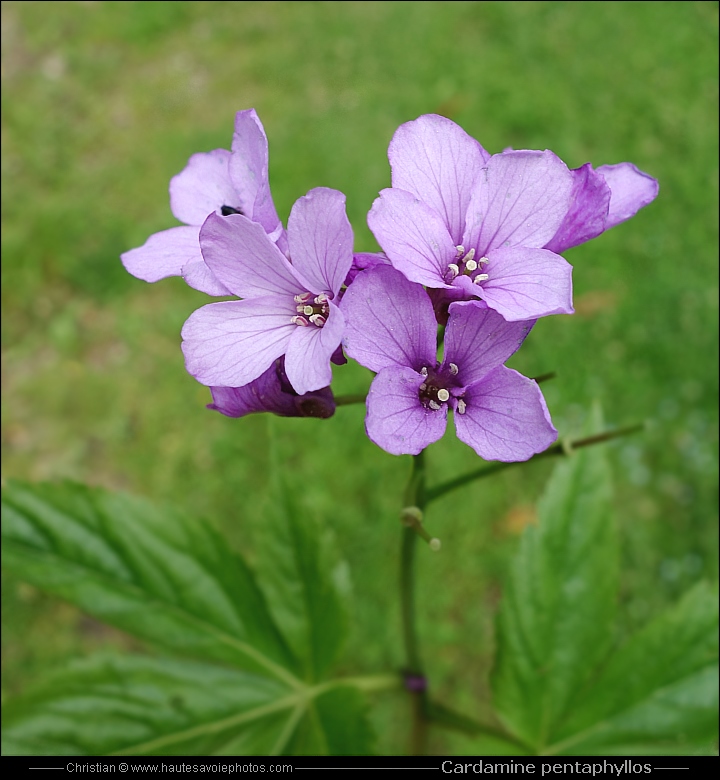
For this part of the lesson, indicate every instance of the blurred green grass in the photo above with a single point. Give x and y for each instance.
(103, 102)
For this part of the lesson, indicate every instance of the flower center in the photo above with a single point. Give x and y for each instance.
(227, 210)
(311, 310)
(466, 265)
(434, 391)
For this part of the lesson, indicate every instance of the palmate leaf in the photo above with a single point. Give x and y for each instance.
(558, 612)
(171, 580)
(560, 685)
(159, 706)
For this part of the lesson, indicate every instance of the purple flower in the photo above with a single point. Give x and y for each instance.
(288, 309)
(460, 219)
(391, 329)
(272, 392)
(217, 182)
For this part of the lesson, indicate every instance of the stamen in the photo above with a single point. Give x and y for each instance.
(434, 405)
(424, 371)
(483, 260)
(308, 310)
(471, 265)
(322, 298)
(422, 387)
(461, 406)
(443, 394)
(481, 278)
(469, 256)
(302, 297)
(453, 269)
(460, 251)
(318, 319)
(299, 321)
(453, 369)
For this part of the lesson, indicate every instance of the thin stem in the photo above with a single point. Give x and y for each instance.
(561, 448)
(414, 498)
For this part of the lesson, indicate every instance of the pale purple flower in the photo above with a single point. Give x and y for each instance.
(458, 218)
(288, 308)
(391, 330)
(219, 182)
(272, 392)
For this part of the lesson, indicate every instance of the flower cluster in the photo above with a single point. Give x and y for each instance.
(471, 247)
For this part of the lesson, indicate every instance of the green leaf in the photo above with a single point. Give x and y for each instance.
(659, 692)
(558, 610)
(159, 706)
(304, 580)
(152, 572)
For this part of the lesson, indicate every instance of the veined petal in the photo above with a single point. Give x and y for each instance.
(438, 162)
(525, 284)
(520, 201)
(307, 359)
(588, 212)
(630, 188)
(202, 187)
(478, 340)
(505, 417)
(164, 254)
(396, 419)
(389, 321)
(249, 171)
(413, 236)
(245, 260)
(230, 343)
(198, 276)
(362, 261)
(321, 239)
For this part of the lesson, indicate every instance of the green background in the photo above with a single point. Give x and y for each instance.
(104, 101)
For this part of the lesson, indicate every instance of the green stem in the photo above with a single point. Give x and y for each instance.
(414, 499)
(561, 448)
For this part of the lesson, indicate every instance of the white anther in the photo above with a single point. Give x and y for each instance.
(469, 256)
(453, 369)
(302, 297)
(460, 251)
(424, 371)
(461, 406)
(318, 319)
(308, 310)
(443, 394)
(322, 298)
(423, 387)
(434, 405)
(483, 260)
(453, 269)
(471, 265)
(481, 278)
(299, 321)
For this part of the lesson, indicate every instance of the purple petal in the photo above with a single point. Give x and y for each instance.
(525, 284)
(230, 343)
(271, 393)
(307, 359)
(249, 172)
(505, 417)
(588, 210)
(413, 235)
(438, 162)
(202, 187)
(362, 261)
(520, 201)
(396, 419)
(198, 276)
(321, 239)
(478, 340)
(389, 321)
(245, 260)
(164, 254)
(630, 188)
